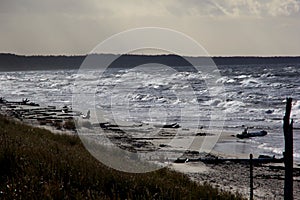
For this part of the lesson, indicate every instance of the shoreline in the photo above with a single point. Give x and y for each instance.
(226, 176)
(37, 164)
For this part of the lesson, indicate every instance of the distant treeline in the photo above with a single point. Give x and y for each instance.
(11, 62)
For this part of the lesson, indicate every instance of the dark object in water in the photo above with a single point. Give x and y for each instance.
(252, 134)
(266, 157)
(204, 134)
(2, 100)
(24, 101)
(181, 160)
(200, 134)
(34, 104)
(175, 125)
(164, 145)
(107, 125)
(269, 111)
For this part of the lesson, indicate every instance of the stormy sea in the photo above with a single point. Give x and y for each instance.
(253, 96)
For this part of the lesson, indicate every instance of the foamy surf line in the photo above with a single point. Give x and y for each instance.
(255, 96)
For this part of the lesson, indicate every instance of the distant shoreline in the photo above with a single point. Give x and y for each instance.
(13, 62)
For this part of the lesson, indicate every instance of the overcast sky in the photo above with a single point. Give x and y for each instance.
(222, 27)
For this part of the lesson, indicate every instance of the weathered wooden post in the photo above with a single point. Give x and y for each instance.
(251, 177)
(288, 152)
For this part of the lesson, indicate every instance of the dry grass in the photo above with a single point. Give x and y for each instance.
(36, 164)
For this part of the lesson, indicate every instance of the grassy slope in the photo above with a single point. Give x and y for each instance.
(36, 164)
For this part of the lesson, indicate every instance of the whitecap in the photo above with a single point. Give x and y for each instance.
(251, 82)
(243, 76)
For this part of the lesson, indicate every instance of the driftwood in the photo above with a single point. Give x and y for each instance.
(233, 160)
(25, 110)
(175, 125)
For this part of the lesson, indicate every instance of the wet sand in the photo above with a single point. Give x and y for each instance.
(234, 177)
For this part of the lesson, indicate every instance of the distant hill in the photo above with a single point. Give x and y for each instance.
(11, 62)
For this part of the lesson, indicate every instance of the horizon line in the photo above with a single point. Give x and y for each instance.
(137, 54)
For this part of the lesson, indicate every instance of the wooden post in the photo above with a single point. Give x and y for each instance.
(251, 177)
(288, 153)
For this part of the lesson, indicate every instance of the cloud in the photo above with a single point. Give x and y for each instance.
(75, 8)
(235, 8)
(76, 26)
(278, 7)
(178, 8)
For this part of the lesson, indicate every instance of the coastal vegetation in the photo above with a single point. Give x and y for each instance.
(37, 164)
(12, 62)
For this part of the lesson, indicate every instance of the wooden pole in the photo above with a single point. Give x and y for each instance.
(251, 177)
(288, 154)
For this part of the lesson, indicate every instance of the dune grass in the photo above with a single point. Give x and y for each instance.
(37, 164)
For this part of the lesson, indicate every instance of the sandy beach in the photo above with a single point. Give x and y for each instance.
(234, 177)
(228, 176)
